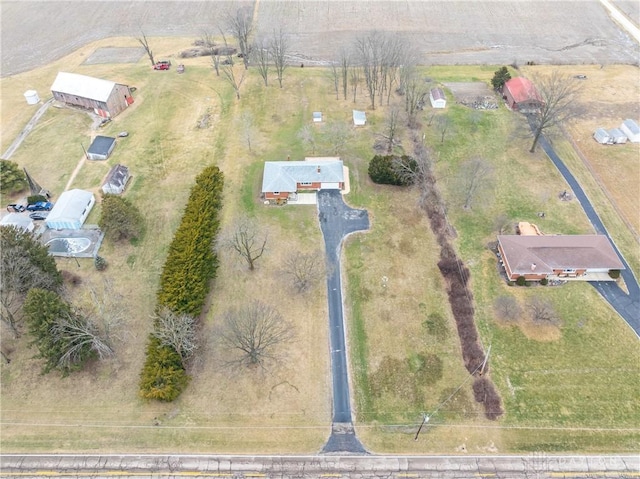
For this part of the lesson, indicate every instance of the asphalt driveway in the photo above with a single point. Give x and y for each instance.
(337, 220)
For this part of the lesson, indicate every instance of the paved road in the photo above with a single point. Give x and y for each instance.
(627, 305)
(337, 220)
(538, 466)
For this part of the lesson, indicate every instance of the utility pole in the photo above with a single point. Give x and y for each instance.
(425, 419)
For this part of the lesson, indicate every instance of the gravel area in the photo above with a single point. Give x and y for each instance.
(445, 32)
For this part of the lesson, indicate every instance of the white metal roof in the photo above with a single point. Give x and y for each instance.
(285, 175)
(70, 206)
(21, 221)
(632, 126)
(84, 86)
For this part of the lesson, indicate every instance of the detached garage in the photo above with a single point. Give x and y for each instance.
(101, 147)
(71, 210)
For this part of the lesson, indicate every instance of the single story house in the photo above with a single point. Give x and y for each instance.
(101, 147)
(106, 98)
(437, 98)
(617, 136)
(19, 221)
(630, 128)
(71, 210)
(116, 180)
(317, 117)
(359, 118)
(602, 136)
(521, 95)
(284, 179)
(557, 256)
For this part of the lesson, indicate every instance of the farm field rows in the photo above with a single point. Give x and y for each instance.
(550, 377)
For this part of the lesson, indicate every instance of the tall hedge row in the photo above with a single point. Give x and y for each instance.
(190, 266)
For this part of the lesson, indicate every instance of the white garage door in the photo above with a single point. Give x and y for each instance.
(330, 186)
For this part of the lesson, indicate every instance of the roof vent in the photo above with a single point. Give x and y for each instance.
(533, 266)
(318, 168)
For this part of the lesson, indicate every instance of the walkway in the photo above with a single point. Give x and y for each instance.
(337, 220)
(627, 305)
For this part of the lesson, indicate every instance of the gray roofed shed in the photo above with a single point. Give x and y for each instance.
(101, 147)
(116, 180)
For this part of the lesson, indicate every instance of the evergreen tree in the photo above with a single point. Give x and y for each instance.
(500, 77)
(120, 219)
(12, 178)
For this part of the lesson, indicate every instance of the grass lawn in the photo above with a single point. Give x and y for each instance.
(404, 351)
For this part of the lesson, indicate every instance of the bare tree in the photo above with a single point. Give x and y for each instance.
(390, 134)
(345, 63)
(354, 79)
(255, 332)
(279, 48)
(231, 77)
(240, 25)
(304, 269)
(369, 50)
(443, 122)
(208, 43)
(248, 129)
(262, 57)
(334, 72)
(308, 136)
(475, 175)
(145, 44)
(507, 308)
(247, 240)
(179, 331)
(76, 334)
(336, 134)
(542, 311)
(558, 93)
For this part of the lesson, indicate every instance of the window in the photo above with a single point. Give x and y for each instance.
(276, 192)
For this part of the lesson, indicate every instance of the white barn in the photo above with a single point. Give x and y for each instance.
(71, 210)
(630, 128)
(437, 98)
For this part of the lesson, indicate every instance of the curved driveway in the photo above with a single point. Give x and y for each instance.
(627, 305)
(337, 220)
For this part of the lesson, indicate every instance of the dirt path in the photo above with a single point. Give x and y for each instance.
(26, 130)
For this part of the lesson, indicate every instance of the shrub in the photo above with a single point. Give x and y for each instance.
(614, 273)
(521, 281)
(100, 263)
(388, 170)
(163, 377)
(544, 281)
(36, 198)
(485, 392)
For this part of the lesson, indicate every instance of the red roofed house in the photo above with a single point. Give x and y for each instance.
(587, 257)
(521, 95)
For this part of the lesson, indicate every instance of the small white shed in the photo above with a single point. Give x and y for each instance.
(631, 130)
(20, 221)
(116, 180)
(617, 136)
(71, 210)
(359, 118)
(101, 148)
(437, 98)
(602, 136)
(317, 117)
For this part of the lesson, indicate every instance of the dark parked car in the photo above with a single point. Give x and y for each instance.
(15, 208)
(40, 206)
(38, 216)
(162, 65)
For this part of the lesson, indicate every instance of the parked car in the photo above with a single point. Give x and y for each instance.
(15, 208)
(38, 216)
(162, 65)
(40, 206)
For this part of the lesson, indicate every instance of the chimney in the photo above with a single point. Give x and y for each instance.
(533, 266)
(318, 168)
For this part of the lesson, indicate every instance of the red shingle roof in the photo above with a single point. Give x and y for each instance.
(522, 90)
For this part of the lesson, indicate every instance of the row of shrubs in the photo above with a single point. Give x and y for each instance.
(190, 266)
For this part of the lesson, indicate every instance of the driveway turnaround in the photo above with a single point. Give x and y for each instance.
(627, 305)
(337, 220)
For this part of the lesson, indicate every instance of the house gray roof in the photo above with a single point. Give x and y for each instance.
(101, 145)
(283, 176)
(555, 252)
(118, 176)
(83, 86)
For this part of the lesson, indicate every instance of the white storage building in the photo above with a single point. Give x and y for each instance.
(359, 118)
(602, 136)
(437, 98)
(19, 221)
(617, 136)
(631, 129)
(71, 210)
